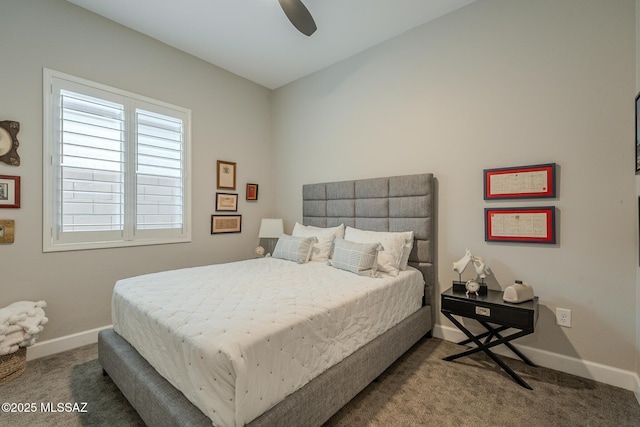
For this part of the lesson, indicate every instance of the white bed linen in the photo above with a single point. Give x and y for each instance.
(237, 338)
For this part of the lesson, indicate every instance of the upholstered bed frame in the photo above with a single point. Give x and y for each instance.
(399, 203)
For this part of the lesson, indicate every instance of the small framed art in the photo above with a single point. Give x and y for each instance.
(9, 191)
(525, 225)
(226, 173)
(252, 191)
(6, 230)
(226, 224)
(226, 202)
(9, 142)
(520, 182)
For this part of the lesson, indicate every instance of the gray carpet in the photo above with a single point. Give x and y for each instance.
(419, 390)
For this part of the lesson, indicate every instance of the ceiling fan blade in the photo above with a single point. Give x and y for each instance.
(299, 16)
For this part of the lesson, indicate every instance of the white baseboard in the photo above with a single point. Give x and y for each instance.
(58, 345)
(595, 371)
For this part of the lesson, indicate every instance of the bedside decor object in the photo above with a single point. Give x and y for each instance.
(524, 225)
(461, 265)
(226, 202)
(9, 142)
(9, 191)
(226, 173)
(518, 293)
(481, 269)
(260, 251)
(481, 273)
(520, 182)
(270, 230)
(472, 287)
(252, 191)
(7, 231)
(226, 224)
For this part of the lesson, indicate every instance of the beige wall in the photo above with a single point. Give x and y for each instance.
(230, 120)
(497, 83)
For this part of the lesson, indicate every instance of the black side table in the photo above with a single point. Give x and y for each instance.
(491, 309)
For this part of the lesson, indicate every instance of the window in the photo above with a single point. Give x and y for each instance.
(116, 167)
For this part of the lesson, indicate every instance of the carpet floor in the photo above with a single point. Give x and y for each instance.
(420, 389)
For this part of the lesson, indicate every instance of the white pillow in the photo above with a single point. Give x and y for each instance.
(359, 258)
(406, 251)
(296, 249)
(404, 262)
(396, 247)
(322, 248)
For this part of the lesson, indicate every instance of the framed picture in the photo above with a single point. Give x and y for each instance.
(9, 191)
(637, 134)
(6, 230)
(226, 172)
(526, 225)
(252, 191)
(226, 202)
(520, 182)
(226, 224)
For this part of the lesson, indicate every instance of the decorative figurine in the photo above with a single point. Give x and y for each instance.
(462, 263)
(476, 285)
(481, 269)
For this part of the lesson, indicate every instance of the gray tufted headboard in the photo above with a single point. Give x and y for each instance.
(399, 203)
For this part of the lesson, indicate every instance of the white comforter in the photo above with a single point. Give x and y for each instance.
(237, 338)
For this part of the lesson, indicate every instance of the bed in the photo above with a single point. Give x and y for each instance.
(402, 203)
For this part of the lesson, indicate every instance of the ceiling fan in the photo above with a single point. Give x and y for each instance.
(299, 16)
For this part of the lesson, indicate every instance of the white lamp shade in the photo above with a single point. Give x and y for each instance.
(271, 228)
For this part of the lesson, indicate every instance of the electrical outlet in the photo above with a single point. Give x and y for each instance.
(563, 317)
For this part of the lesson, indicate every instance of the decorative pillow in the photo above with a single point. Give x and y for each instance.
(322, 248)
(359, 258)
(397, 247)
(296, 249)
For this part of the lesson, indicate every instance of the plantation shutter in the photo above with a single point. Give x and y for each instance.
(159, 173)
(116, 167)
(92, 132)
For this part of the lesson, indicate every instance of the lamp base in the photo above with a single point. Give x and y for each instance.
(269, 244)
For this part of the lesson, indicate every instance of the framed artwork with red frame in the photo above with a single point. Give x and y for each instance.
(523, 225)
(9, 191)
(520, 182)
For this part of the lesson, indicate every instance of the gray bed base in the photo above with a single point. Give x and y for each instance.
(382, 204)
(159, 404)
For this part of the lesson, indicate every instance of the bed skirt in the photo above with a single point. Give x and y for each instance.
(160, 404)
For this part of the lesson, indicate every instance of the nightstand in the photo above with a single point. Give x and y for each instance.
(488, 310)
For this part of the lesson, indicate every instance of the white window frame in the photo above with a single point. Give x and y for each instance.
(53, 238)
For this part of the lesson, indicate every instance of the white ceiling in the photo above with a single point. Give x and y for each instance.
(254, 38)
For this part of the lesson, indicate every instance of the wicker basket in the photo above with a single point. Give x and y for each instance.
(13, 365)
